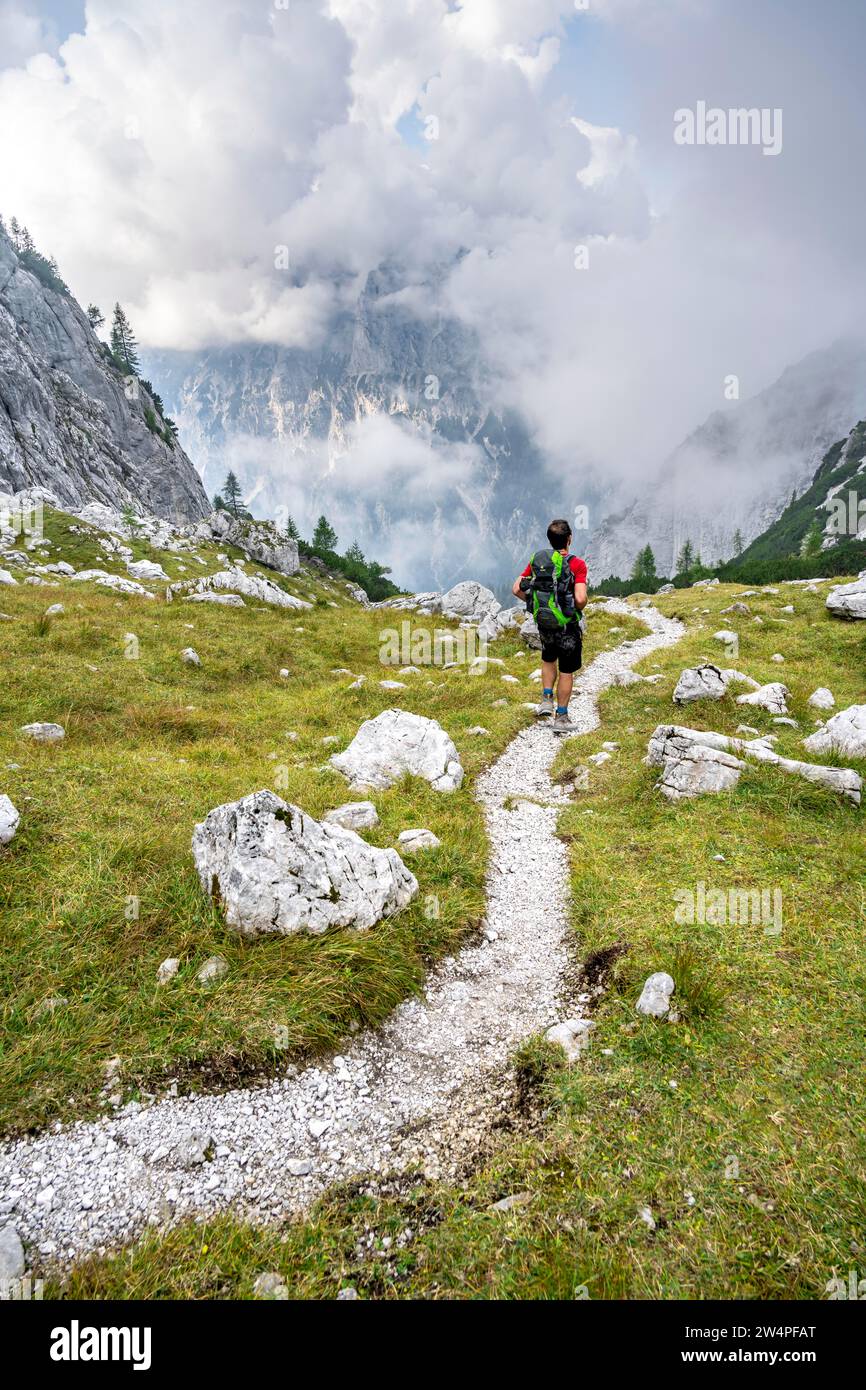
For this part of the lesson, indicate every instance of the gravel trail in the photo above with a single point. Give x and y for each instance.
(418, 1091)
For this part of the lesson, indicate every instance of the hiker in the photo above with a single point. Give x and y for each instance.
(554, 587)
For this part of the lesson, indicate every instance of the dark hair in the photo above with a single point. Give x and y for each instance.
(559, 534)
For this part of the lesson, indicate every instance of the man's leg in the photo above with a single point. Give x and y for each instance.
(564, 689)
(548, 676)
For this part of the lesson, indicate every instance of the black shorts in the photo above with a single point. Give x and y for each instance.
(566, 648)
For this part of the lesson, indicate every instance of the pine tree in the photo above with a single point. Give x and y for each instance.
(644, 567)
(96, 316)
(218, 503)
(738, 542)
(27, 243)
(15, 233)
(686, 559)
(233, 498)
(123, 343)
(324, 536)
(355, 553)
(291, 530)
(813, 540)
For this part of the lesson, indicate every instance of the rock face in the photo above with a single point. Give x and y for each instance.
(276, 870)
(655, 999)
(9, 819)
(849, 600)
(396, 742)
(66, 422)
(699, 683)
(235, 582)
(259, 539)
(844, 733)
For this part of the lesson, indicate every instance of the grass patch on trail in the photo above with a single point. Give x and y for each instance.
(739, 1127)
(98, 886)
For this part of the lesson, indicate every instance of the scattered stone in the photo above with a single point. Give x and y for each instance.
(770, 697)
(7, 578)
(224, 600)
(44, 733)
(778, 658)
(55, 611)
(822, 698)
(647, 1218)
(347, 1295)
(276, 870)
(147, 570)
(396, 742)
(192, 1149)
(742, 608)
(11, 1252)
(271, 1286)
(517, 1199)
(413, 841)
(167, 970)
(300, 1167)
(726, 636)
(190, 657)
(392, 685)
(655, 999)
(355, 815)
(572, 1036)
(599, 758)
(849, 600)
(9, 820)
(670, 745)
(843, 733)
(478, 729)
(699, 683)
(690, 769)
(214, 969)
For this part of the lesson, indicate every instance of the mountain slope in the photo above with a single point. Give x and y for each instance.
(391, 426)
(825, 510)
(737, 472)
(66, 423)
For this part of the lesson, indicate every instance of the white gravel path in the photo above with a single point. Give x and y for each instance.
(411, 1093)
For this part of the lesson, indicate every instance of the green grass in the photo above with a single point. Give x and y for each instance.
(99, 886)
(739, 1125)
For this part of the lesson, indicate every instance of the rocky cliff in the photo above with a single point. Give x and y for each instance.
(67, 422)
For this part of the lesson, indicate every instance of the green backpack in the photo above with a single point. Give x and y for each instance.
(552, 590)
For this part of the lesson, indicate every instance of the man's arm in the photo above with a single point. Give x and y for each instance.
(515, 588)
(580, 596)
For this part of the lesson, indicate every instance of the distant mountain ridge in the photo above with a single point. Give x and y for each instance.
(66, 421)
(474, 494)
(737, 472)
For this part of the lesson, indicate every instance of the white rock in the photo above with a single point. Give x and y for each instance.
(778, 658)
(215, 968)
(396, 742)
(167, 970)
(190, 657)
(699, 683)
(44, 733)
(849, 600)
(236, 582)
(599, 758)
(822, 698)
(355, 815)
(11, 1254)
(392, 685)
(655, 999)
(689, 768)
(511, 680)
(572, 1036)
(276, 870)
(477, 729)
(9, 820)
(412, 841)
(770, 697)
(55, 610)
(224, 600)
(725, 635)
(7, 578)
(843, 733)
(270, 1285)
(145, 569)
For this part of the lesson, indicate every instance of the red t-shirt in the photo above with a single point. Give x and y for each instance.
(575, 564)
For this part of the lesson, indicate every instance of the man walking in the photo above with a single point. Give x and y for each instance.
(554, 586)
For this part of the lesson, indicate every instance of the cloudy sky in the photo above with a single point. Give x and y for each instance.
(163, 152)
